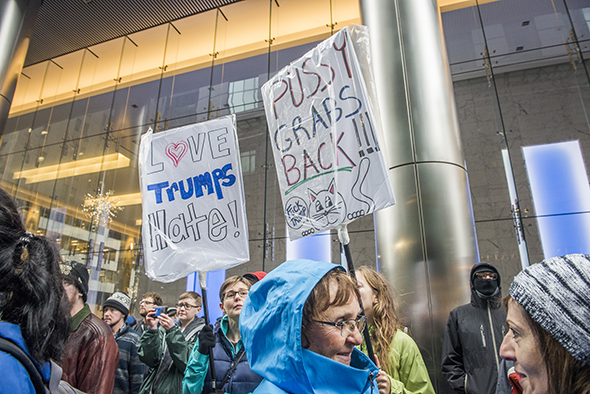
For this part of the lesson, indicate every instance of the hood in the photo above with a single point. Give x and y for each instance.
(270, 325)
(477, 299)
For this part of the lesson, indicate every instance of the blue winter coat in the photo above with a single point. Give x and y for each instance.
(15, 378)
(270, 325)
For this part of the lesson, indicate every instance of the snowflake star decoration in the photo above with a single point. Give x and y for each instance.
(102, 207)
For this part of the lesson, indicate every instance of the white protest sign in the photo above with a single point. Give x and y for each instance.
(323, 129)
(193, 200)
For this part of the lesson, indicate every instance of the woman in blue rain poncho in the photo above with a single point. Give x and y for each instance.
(300, 326)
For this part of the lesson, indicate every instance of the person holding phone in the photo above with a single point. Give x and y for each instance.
(148, 302)
(166, 348)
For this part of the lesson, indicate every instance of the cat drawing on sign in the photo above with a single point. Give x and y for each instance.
(327, 207)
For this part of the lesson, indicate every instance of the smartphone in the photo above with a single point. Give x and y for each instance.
(159, 310)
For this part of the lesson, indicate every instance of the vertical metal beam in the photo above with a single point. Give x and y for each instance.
(17, 18)
(426, 242)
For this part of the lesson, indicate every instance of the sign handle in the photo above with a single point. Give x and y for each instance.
(203, 283)
(344, 239)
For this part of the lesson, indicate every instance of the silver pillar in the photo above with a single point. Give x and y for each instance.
(17, 18)
(426, 242)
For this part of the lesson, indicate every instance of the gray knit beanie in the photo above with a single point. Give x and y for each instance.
(120, 301)
(556, 294)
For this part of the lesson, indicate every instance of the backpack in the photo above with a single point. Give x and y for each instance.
(55, 385)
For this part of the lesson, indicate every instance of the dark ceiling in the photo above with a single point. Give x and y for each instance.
(65, 26)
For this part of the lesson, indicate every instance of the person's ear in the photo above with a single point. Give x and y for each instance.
(221, 307)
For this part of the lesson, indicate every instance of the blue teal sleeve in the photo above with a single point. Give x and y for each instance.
(195, 372)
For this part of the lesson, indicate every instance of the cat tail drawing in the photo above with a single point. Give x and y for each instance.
(363, 170)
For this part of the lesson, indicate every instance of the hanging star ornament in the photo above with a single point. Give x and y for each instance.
(102, 207)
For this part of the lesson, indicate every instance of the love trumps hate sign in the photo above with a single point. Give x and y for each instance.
(194, 215)
(323, 133)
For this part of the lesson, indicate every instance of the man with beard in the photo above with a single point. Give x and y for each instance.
(148, 302)
(166, 345)
(90, 354)
(474, 334)
(129, 374)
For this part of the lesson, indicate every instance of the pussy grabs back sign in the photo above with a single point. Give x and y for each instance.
(323, 131)
(193, 200)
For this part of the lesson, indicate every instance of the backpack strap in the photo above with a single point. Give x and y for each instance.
(11, 348)
(233, 367)
(55, 379)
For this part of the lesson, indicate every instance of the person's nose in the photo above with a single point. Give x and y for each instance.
(356, 338)
(507, 348)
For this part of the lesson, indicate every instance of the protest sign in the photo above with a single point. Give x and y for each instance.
(193, 200)
(323, 126)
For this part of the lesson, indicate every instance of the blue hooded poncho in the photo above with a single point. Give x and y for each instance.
(270, 325)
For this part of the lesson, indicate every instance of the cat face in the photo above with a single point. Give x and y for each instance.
(326, 207)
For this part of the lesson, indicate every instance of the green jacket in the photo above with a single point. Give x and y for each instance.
(150, 352)
(409, 375)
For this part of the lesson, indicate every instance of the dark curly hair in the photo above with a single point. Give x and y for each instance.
(32, 293)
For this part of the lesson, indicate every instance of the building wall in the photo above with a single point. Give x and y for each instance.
(539, 105)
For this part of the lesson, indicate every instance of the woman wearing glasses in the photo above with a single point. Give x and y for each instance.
(300, 326)
(403, 369)
(224, 344)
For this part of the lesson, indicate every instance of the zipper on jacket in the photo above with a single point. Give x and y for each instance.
(371, 381)
(483, 336)
(496, 350)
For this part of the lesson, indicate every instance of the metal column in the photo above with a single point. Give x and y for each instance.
(17, 18)
(426, 242)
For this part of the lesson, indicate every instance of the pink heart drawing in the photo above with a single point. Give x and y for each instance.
(176, 151)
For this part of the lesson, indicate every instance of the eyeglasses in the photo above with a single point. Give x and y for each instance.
(486, 275)
(349, 325)
(188, 307)
(146, 303)
(232, 294)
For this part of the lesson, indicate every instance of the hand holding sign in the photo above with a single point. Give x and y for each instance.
(193, 200)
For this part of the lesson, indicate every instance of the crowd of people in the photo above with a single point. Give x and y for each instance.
(297, 329)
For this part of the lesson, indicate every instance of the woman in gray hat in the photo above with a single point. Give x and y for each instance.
(549, 327)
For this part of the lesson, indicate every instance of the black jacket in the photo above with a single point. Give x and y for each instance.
(472, 341)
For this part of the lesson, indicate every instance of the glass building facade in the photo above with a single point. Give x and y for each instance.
(521, 80)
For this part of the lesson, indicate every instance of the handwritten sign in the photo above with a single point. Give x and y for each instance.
(323, 131)
(192, 199)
